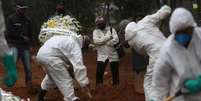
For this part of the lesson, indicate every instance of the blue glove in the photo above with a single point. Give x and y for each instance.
(193, 86)
(10, 70)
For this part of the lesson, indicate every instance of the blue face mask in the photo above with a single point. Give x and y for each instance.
(183, 39)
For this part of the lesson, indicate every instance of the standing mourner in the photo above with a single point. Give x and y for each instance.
(146, 38)
(61, 57)
(178, 66)
(105, 38)
(19, 37)
(7, 55)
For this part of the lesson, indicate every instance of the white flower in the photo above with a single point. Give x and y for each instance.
(58, 22)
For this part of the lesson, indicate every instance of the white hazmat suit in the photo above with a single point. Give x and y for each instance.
(3, 44)
(7, 55)
(146, 38)
(176, 64)
(54, 56)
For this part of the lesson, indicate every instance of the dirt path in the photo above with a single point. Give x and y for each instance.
(125, 92)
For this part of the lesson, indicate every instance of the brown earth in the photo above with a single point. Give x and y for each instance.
(125, 92)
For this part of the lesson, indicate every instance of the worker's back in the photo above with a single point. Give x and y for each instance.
(54, 47)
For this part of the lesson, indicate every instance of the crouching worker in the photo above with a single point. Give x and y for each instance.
(177, 71)
(62, 47)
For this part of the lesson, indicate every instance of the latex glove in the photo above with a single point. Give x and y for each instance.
(193, 86)
(166, 8)
(164, 12)
(10, 70)
(151, 100)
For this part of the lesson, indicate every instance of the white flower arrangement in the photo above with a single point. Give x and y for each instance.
(59, 25)
(8, 96)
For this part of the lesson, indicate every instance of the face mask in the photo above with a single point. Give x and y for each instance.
(21, 12)
(183, 39)
(102, 26)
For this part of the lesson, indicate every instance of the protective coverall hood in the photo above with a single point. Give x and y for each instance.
(185, 20)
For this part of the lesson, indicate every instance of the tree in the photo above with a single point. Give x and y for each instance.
(133, 8)
(40, 10)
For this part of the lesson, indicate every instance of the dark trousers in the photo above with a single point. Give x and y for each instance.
(139, 62)
(24, 55)
(101, 69)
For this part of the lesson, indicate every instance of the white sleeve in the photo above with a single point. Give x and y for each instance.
(115, 39)
(155, 18)
(2, 22)
(74, 55)
(150, 20)
(98, 39)
(131, 31)
(3, 43)
(161, 78)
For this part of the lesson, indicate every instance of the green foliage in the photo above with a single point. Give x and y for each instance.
(133, 8)
(40, 10)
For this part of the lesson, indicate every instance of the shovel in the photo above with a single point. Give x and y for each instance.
(178, 93)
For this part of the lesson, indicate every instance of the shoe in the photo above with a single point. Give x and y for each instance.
(41, 95)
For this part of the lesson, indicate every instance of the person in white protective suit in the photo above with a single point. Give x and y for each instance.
(178, 66)
(7, 55)
(54, 56)
(146, 38)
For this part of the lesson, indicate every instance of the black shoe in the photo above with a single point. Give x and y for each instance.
(41, 95)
